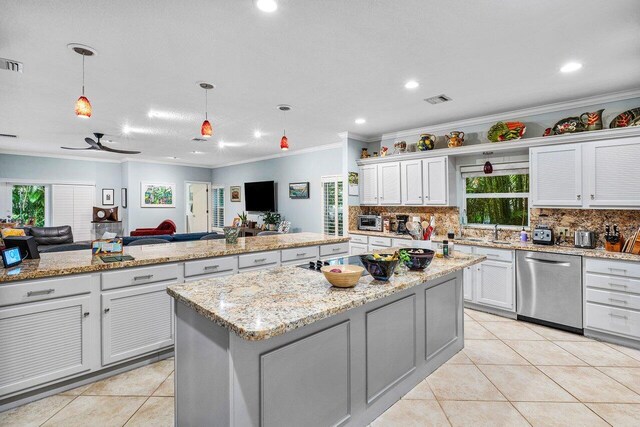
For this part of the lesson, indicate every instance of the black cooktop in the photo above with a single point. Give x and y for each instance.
(316, 265)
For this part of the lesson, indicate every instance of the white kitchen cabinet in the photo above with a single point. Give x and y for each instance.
(555, 175)
(135, 321)
(435, 182)
(494, 284)
(609, 170)
(357, 249)
(44, 341)
(389, 184)
(467, 283)
(369, 185)
(411, 182)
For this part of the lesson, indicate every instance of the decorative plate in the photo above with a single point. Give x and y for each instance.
(569, 125)
(625, 119)
(506, 131)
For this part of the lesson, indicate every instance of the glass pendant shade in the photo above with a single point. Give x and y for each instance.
(83, 107)
(488, 168)
(284, 143)
(206, 130)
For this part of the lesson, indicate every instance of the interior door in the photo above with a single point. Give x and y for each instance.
(197, 207)
(411, 174)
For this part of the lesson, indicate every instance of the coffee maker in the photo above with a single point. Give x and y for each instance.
(401, 220)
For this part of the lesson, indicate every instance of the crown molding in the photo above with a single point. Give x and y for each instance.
(163, 162)
(283, 154)
(532, 111)
(58, 156)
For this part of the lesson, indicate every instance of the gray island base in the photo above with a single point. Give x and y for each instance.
(345, 369)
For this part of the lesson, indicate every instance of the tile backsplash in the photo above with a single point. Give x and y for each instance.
(447, 218)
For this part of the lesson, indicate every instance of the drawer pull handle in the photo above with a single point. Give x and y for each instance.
(211, 267)
(336, 249)
(86, 314)
(620, 316)
(145, 277)
(620, 285)
(259, 260)
(301, 254)
(617, 269)
(42, 292)
(618, 300)
(106, 310)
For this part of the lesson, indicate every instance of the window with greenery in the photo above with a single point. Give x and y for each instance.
(28, 204)
(218, 206)
(501, 198)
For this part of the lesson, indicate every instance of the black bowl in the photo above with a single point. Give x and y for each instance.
(419, 258)
(378, 268)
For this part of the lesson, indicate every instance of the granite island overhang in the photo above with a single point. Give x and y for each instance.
(282, 347)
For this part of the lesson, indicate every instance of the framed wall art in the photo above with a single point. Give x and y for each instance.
(299, 190)
(123, 198)
(235, 191)
(156, 195)
(108, 196)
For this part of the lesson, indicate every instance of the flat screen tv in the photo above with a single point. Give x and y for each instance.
(260, 196)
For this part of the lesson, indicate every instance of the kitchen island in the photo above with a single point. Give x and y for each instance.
(281, 347)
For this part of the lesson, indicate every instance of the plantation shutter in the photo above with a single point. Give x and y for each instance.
(332, 205)
(217, 199)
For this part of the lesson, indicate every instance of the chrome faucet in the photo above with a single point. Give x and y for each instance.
(495, 232)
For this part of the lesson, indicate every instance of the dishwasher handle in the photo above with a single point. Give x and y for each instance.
(547, 261)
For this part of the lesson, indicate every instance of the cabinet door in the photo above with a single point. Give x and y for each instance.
(556, 176)
(44, 342)
(610, 171)
(411, 182)
(369, 185)
(467, 283)
(389, 184)
(357, 249)
(494, 284)
(136, 321)
(435, 185)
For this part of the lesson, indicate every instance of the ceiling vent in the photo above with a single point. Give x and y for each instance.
(7, 135)
(10, 65)
(438, 99)
(196, 139)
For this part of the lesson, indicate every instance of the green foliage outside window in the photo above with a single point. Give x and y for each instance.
(505, 206)
(28, 203)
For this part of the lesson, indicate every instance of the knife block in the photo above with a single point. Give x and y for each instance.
(614, 247)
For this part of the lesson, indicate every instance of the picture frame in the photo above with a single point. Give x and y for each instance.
(108, 196)
(236, 222)
(299, 190)
(235, 192)
(353, 184)
(157, 195)
(123, 198)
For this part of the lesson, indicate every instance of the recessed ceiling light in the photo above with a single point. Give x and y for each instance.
(170, 115)
(361, 121)
(197, 152)
(267, 5)
(172, 157)
(126, 129)
(570, 67)
(411, 84)
(257, 134)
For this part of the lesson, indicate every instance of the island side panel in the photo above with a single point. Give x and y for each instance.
(202, 371)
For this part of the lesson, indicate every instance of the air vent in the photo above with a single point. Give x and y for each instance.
(7, 135)
(196, 139)
(438, 99)
(10, 65)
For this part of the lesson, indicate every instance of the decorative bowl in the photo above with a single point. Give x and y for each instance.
(419, 258)
(506, 131)
(347, 278)
(231, 234)
(569, 125)
(379, 268)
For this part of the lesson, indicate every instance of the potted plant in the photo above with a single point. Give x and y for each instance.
(271, 220)
(243, 219)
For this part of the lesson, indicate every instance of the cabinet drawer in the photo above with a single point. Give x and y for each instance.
(402, 243)
(139, 276)
(612, 283)
(39, 290)
(380, 241)
(613, 320)
(307, 252)
(334, 249)
(359, 238)
(617, 299)
(495, 254)
(258, 259)
(462, 248)
(357, 249)
(618, 268)
(209, 266)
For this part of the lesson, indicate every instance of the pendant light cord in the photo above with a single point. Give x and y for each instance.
(83, 74)
(206, 104)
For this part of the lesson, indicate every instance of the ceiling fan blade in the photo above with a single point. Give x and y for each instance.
(69, 148)
(92, 143)
(113, 150)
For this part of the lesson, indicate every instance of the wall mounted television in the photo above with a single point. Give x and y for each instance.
(260, 196)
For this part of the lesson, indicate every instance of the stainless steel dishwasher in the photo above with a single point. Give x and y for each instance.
(549, 289)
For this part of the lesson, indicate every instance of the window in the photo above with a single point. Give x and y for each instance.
(332, 205)
(28, 204)
(217, 199)
(499, 198)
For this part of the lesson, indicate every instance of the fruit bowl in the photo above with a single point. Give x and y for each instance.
(380, 266)
(419, 259)
(347, 277)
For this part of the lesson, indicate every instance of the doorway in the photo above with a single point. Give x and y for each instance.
(197, 209)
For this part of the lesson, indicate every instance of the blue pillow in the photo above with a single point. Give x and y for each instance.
(128, 239)
(186, 237)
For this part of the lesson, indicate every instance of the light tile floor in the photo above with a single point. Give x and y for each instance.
(510, 373)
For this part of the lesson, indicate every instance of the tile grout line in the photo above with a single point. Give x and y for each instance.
(149, 397)
(64, 406)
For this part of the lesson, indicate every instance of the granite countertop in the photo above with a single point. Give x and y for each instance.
(558, 249)
(75, 262)
(381, 234)
(263, 304)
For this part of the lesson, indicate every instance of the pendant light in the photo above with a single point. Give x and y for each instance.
(284, 141)
(206, 130)
(83, 106)
(488, 167)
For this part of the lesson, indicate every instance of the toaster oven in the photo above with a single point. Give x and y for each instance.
(370, 222)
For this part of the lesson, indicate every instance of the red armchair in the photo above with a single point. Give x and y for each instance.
(166, 227)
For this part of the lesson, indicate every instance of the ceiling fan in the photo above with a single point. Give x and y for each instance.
(97, 145)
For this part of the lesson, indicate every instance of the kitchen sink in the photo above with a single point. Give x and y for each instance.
(472, 239)
(501, 242)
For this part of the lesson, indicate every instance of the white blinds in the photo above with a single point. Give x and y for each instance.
(217, 199)
(332, 205)
(73, 205)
